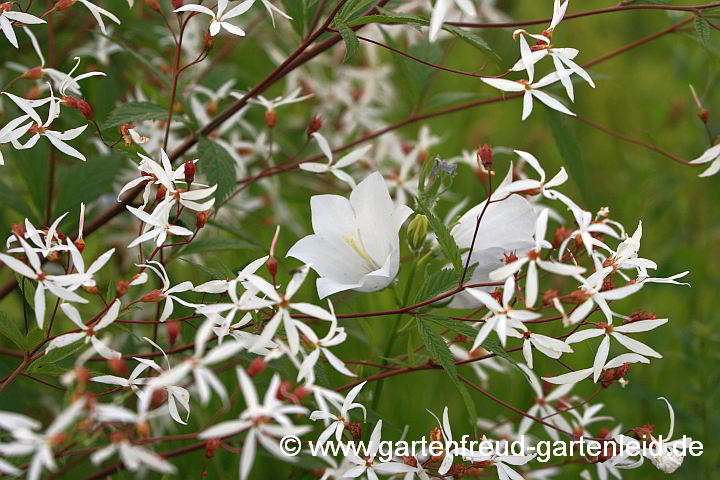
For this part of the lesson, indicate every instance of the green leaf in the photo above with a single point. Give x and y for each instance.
(439, 350)
(215, 244)
(28, 291)
(702, 28)
(218, 166)
(435, 284)
(86, 181)
(12, 200)
(569, 148)
(10, 330)
(445, 240)
(475, 40)
(298, 10)
(351, 41)
(214, 274)
(54, 356)
(134, 112)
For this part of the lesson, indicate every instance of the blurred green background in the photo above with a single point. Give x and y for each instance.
(643, 93)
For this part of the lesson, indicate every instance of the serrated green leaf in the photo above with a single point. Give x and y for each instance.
(351, 42)
(445, 240)
(86, 182)
(702, 28)
(475, 40)
(436, 283)
(10, 330)
(215, 244)
(134, 112)
(569, 148)
(54, 356)
(298, 10)
(441, 353)
(219, 168)
(14, 201)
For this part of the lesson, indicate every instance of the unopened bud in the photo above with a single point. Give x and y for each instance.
(190, 169)
(257, 366)
(417, 232)
(272, 266)
(119, 366)
(704, 115)
(63, 4)
(80, 105)
(155, 296)
(300, 393)
(91, 290)
(208, 40)
(18, 230)
(122, 287)
(34, 73)
(159, 397)
(154, 5)
(160, 194)
(560, 235)
(315, 124)
(211, 446)
(82, 375)
(355, 430)
(173, 330)
(201, 219)
(177, 4)
(484, 157)
(284, 390)
(142, 429)
(270, 118)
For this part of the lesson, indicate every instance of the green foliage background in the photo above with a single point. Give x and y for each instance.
(643, 93)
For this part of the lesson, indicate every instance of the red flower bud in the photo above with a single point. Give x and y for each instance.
(63, 4)
(153, 297)
(154, 5)
(177, 4)
(173, 330)
(18, 229)
(122, 287)
(284, 390)
(315, 124)
(190, 169)
(484, 156)
(119, 366)
(201, 219)
(211, 446)
(257, 366)
(34, 73)
(80, 245)
(270, 118)
(272, 266)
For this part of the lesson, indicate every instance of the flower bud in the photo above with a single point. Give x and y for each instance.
(190, 169)
(484, 157)
(34, 73)
(90, 290)
(177, 4)
(122, 287)
(160, 194)
(209, 41)
(154, 5)
(257, 366)
(201, 219)
(118, 366)
(159, 397)
(284, 390)
(561, 233)
(355, 430)
(270, 118)
(63, 4)
(142, 429)
(173, 330)
(80, 245)
(272, 266)
(155, 296)
(211, 446)
(18, 230)
(704, 115)
(417, 232)
(82, 375)
(300, 393)
(315, 124)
